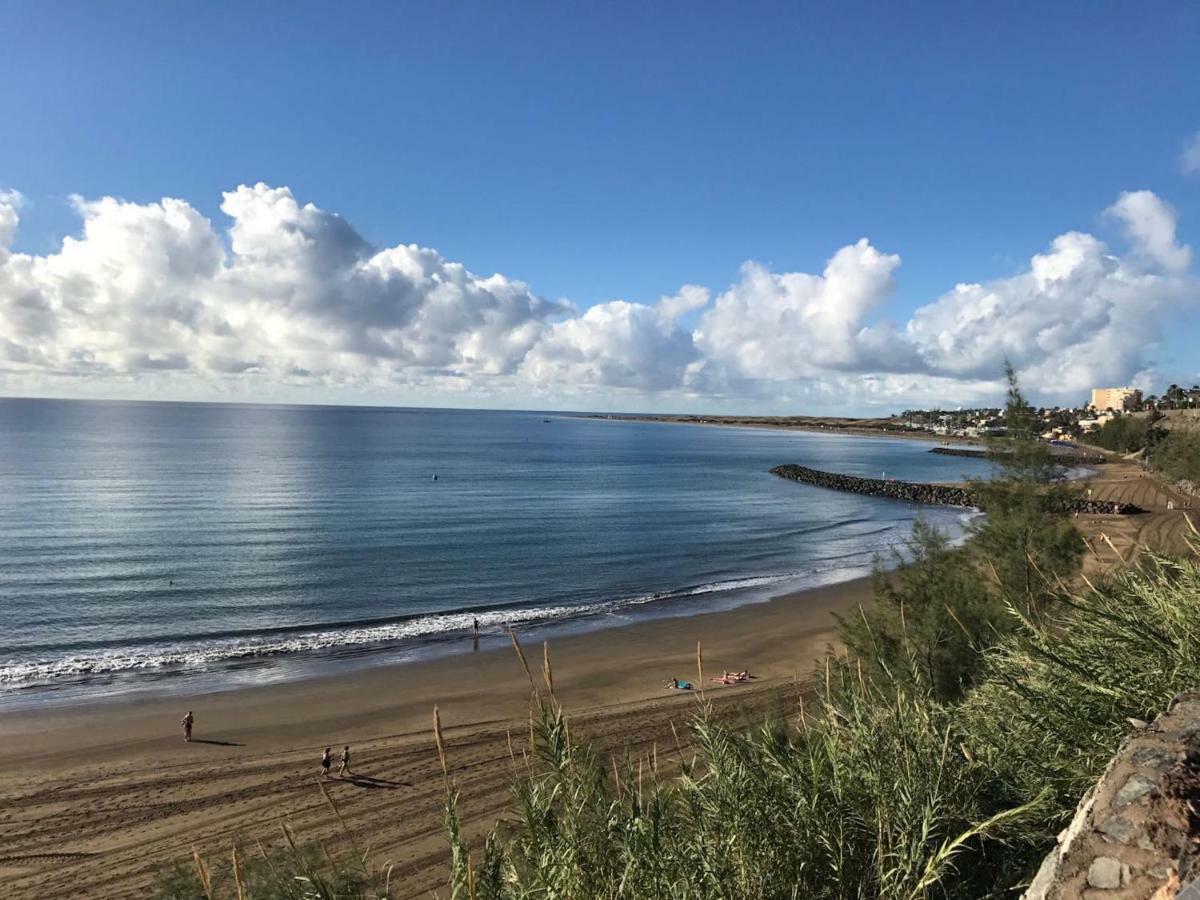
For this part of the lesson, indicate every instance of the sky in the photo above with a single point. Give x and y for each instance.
(754, 207)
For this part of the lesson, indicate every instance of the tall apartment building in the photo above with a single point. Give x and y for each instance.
(1115, 398)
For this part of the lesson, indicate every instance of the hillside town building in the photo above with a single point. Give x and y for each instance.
(1115, 398)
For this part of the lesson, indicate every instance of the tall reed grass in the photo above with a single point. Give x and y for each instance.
(866, 793)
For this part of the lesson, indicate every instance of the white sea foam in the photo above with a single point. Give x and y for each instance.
(212, 653)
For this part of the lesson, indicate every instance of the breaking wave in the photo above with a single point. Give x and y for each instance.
(202, 653)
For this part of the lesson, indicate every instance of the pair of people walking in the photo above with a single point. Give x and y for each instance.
(327, 761)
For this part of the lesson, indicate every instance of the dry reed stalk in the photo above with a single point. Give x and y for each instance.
(957, 620)
(262, 851)
(521, 656)
(287, 834)
(341, 821)
(237, 875)
(1120, 555)
(202, 874)
(328, 856)
(441, 747)
(547, 671)
(678, 743)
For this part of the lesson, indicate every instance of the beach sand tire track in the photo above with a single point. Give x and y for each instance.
(117, 832)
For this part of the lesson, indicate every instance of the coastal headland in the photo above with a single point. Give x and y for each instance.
(97, 799)
(1062, 456)
(879, 427)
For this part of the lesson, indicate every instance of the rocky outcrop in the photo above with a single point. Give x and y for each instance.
(1134, 834)
(921, 492)
(1065, 458)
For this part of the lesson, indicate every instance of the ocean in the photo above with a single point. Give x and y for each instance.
(191, 547)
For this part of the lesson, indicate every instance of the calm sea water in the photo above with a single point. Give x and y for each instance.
(196, 546)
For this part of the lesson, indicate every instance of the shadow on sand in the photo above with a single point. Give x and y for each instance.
(369, 781)
(216, 743)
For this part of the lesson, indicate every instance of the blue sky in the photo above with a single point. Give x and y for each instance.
(601, 152)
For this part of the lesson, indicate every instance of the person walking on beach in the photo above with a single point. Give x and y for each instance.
(187, 723)
(344, 768)
(326, 761)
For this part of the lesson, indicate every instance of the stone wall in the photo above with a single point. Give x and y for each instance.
(1134, 836)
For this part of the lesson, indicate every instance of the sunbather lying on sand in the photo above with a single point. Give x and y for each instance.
(675, 684)
(732, 677)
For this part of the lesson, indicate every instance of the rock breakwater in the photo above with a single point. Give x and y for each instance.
(921, 492)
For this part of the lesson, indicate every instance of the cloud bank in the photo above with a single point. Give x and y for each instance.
(290, 294)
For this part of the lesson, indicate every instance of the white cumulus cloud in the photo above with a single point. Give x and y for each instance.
(619, 344)
(1150, 224)
(778, 327)
(297, 291)
(286, 293)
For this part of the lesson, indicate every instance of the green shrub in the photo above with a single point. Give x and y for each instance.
(930, 619)
(1125, 434)
(872, 793)
(1177, 455)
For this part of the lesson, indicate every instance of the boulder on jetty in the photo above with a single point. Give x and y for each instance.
(933, 494)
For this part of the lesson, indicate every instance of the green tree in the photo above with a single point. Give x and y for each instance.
(1177, 454)
(1025, 539)
(1125, 434)
(929, 622)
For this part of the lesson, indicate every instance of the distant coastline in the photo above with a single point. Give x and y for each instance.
(879, 428)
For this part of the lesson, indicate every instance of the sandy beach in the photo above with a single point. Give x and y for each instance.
(100, 797)
(95, 800)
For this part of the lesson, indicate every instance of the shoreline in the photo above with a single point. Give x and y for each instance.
(299, 667)
(595, 668)
(780, 423)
